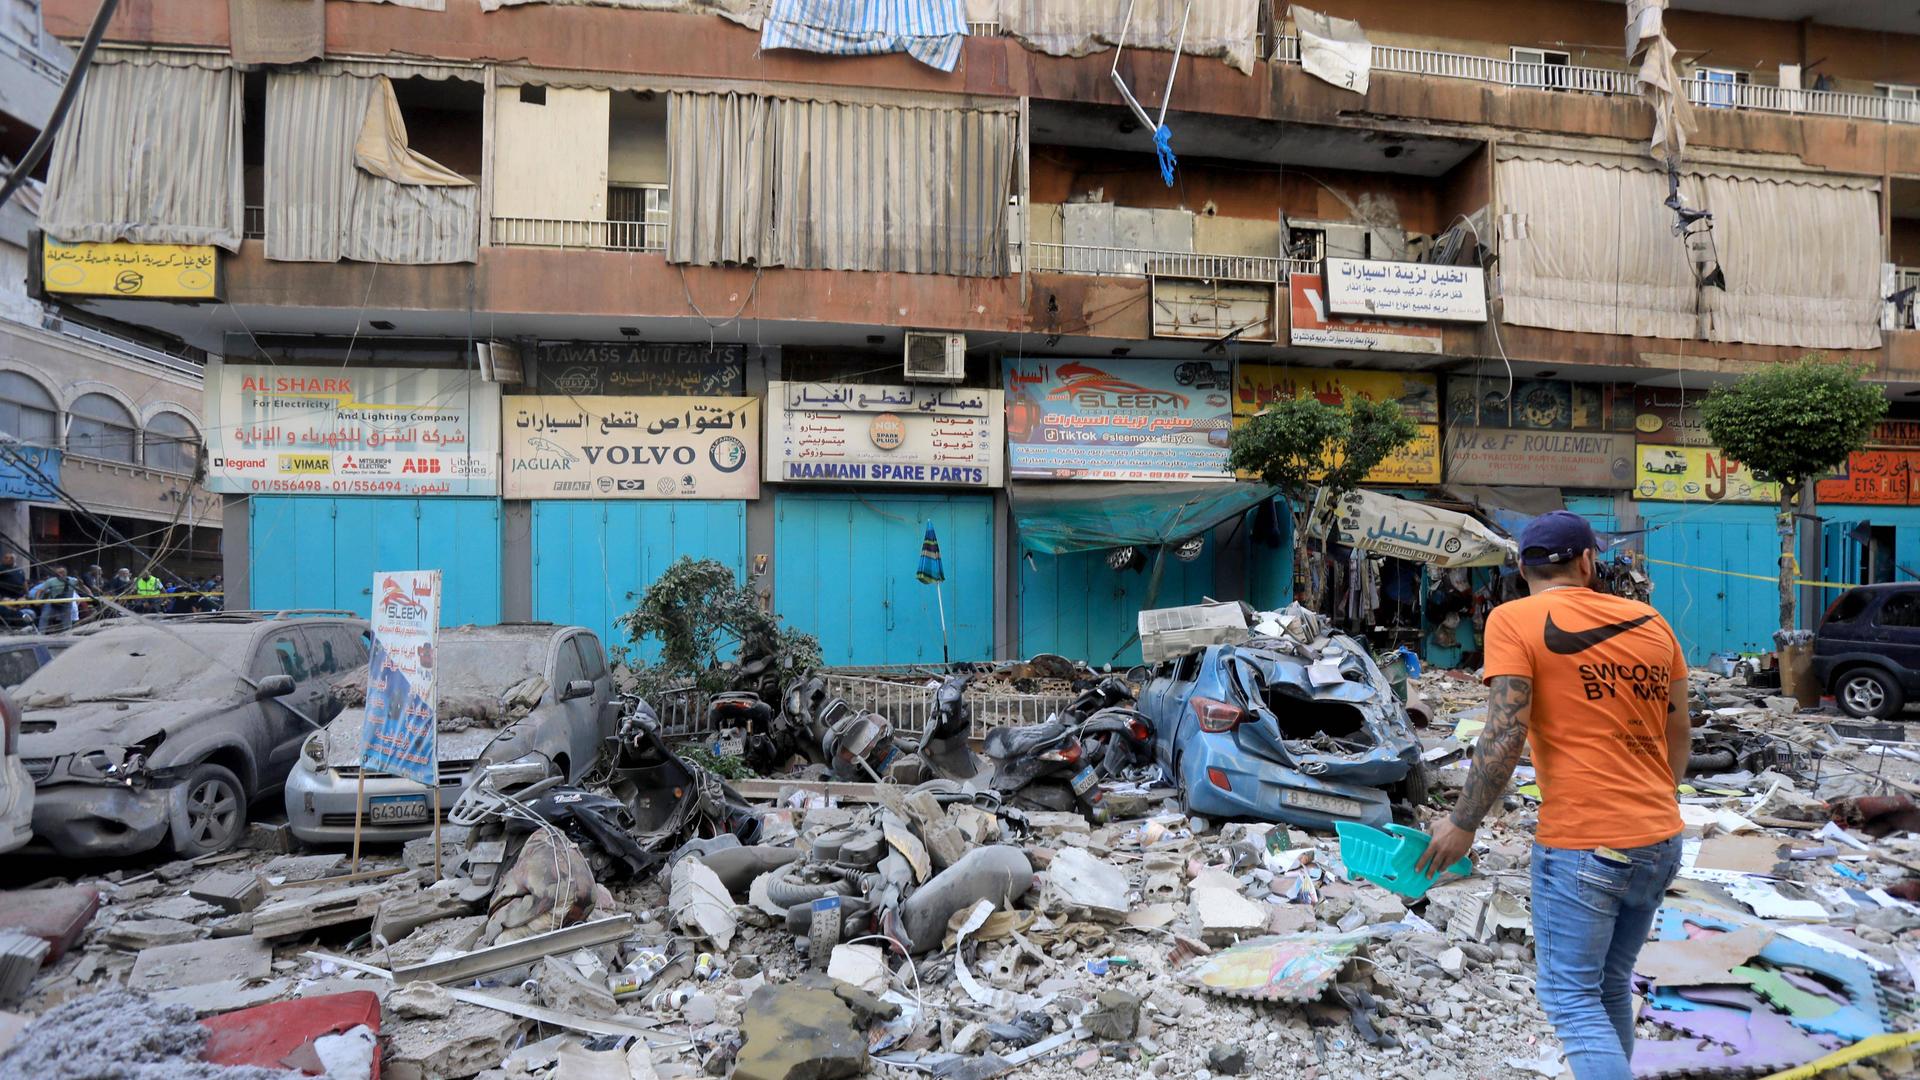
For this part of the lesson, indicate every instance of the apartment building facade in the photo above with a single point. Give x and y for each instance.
(549, 294)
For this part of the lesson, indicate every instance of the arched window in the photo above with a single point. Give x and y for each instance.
(27, 411)
(171, 443)
(101, 428)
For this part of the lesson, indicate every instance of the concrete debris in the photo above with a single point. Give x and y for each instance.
(564, 987)
(420, 1001)
(1226, 916)
(1227, 1059)
(1080, 882)
(797, 1033)
(194, 963)
(231, 892)
(700, 903)
(135, 935)
(864, 966)
(20, 958)
(468, 1039)
(302, 914)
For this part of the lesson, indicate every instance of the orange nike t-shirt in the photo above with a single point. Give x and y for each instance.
(1601, 666)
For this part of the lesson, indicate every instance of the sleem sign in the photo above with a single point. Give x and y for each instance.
(1115, 419)
(399, 733)
(632, 447)
(285, 429)
(866, 434)
(1398, 290)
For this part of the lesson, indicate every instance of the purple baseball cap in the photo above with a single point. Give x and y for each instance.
(1556, 537)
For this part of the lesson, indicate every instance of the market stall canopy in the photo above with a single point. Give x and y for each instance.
(1056, 519)
(1404, 529)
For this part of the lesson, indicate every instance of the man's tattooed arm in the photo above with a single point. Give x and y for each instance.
(1509, 707)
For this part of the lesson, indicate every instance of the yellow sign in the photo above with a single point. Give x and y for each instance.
(1418, 462)
(140, 271)
(306, 464)
(1257, 385)
(1697, 474)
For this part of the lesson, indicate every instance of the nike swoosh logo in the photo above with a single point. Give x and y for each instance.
(1566, 643)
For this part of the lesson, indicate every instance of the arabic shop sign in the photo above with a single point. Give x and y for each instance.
(1536, 458)
(595, 368)
(1697, 474)
(1258, 385)
(1404, 529)
(853, 433)
(1873, 477)
(1118, 419)
(29, 473)
(286, 429)
(138, 271)
(1313, 326)
(1399, 290)
(1670, 417)
(568, 447)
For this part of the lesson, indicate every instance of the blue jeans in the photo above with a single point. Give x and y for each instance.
(1590, 918)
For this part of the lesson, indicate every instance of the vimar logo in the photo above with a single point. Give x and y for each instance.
(305, 464)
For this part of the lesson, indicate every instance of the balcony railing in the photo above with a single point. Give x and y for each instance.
(1620, 83)
(592, 235)
(254, 225)
(1133, 262)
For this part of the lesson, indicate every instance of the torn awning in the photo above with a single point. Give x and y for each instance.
(1403, 529)
(1056, 519)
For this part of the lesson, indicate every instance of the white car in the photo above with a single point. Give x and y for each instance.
(16, 784)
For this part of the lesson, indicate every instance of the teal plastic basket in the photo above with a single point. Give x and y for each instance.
(1387, 858)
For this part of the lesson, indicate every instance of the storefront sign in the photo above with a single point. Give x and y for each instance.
(1312, 326)
(593, 368)
(1902, 434)
(1494, 401)
(1873, 478)
(1403, 529)
(399, 732)
(335, 430)
(138, 271)
(29, 473)
(1258, 385)
(861, 434)
(1697, 474)
(1670, 417)
(568, 447)
(1118, 419)
(1396, 290)
(1539, 458)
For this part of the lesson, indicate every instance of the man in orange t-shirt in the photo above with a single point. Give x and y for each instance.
(1598, 685)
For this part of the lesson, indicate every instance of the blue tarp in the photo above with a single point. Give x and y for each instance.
(1057, 518)
(927, 30)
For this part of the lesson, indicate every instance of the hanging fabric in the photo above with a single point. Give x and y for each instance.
(382, 147)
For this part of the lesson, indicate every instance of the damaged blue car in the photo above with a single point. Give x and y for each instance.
(1303, 733)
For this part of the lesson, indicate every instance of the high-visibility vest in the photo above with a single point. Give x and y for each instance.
(147, 586)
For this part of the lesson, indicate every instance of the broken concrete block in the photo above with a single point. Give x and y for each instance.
(1227, 1059)
(467, 1040)
(1226, 916)
(1291, 919)
(193, 963)
(1452, 961)
(402, 915)
(276, 837)
(290, 869)
(864, 966)
(975, 824)
(1080, 882)
(420, 1001)
(229, 995)
(1115, 1016)
(334, 907)
(230, 892)
(184, 908)
(945, 844)
(562, 987)
(1379, 905)
(798, 1033)
(700, 903)
(135, 935)
(449, 937)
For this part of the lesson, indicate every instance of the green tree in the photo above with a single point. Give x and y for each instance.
(697, 610)
(1789, 424)
(1304, 443)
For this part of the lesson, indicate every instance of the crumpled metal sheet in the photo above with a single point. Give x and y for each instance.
(1296, 967)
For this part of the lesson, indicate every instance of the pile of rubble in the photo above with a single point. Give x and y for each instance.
(794, 929)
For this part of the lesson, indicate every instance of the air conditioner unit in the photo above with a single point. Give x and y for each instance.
(500, 362)
(936, 357)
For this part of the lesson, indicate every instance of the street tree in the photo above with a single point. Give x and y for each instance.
(703, 617)
(1789, 424)
(1304, 443)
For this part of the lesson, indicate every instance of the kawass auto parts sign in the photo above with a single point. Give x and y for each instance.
(565, 447)
(285, 429)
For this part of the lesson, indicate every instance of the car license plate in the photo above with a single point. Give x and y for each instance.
(1083, 780)
(1326, 804)
(395, 809)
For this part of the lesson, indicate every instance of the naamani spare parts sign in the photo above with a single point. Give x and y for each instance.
(855, 433)
(286, 429)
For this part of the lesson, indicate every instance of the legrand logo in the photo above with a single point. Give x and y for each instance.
(305, 464)
(240, 463)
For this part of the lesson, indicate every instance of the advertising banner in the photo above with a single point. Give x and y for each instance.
(135, 271)
(335, 430)
(1400, 290)
(1404, 529)
(1313, 326)
(610, 368)
(1494, 401)
(1539, 458)
(568, 447)
(1669, 417)
(1118, 419)
(398, 734)
(1873, 478)
(1257, 385)
(1697, 474)
(29, 473)
(864, 434)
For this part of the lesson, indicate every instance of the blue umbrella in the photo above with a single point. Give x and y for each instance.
(931, 573)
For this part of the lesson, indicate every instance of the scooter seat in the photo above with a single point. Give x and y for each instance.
(1004, 743)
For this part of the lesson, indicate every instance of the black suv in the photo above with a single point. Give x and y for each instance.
(1867, 653)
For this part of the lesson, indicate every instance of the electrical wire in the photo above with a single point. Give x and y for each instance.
(44, 141)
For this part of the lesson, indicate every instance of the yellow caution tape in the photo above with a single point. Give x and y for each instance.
(1754, 577)
(130, 598)
(1865, 1048)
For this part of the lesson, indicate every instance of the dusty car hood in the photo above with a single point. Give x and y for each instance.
(96, 725)
(343, 740)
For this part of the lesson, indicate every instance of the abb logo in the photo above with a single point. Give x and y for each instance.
(421, 465)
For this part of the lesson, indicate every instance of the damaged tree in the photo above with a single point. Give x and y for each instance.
(1302, 443)
(697, 610)
(1790, 424)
